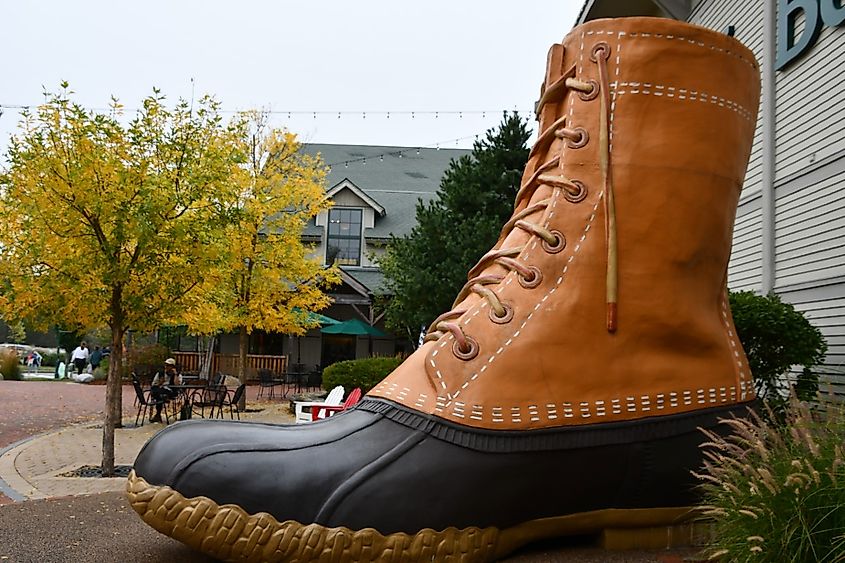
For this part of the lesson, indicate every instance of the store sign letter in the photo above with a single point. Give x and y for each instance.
(816, 12)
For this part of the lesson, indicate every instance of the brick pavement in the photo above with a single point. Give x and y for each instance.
(34, 407)
(30, 408)
(33, 468)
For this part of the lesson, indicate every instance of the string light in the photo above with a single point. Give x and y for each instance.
(317, 113)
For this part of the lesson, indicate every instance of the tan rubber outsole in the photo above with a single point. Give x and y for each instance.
(229, 533)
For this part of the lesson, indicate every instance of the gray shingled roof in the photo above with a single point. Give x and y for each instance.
(395, 183)
(371, 278)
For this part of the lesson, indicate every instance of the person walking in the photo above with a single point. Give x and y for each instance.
(79, 357)
(96, 359)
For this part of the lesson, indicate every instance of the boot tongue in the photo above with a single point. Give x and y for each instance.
(540, 155)
(517, 237)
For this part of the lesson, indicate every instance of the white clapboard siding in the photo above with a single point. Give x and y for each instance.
(745, 264)
(810, 226)
(811, 105)
(745, 16)
(828, 315)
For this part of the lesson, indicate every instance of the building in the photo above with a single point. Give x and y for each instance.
(790, 227)
(375, 190)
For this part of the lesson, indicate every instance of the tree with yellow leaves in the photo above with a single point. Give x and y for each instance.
(114, 224)
(268, 282)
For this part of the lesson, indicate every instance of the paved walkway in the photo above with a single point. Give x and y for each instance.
(32, 469)
(32, 407)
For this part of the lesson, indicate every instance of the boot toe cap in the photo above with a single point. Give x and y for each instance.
(286, 471)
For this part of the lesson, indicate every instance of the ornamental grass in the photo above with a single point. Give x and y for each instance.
(776, 493)
(10, 365)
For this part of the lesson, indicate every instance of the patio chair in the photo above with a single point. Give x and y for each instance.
(321, 413)
(231, 401)
(315, 379)
(267, 381)
(211, 397)
(302, 409)
(145, 402)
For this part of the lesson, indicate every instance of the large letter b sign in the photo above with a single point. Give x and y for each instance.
(815, 12)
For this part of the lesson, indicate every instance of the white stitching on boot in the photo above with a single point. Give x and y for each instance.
(645, 88)
(635, 35)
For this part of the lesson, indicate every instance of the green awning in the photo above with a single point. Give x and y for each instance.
(315, 318)
(354, 327)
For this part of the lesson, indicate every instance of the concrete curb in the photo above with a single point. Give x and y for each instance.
(5, 487)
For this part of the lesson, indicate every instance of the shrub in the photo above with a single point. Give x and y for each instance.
(776, 337)
(50, 359)
(365, 373)
(777, 492)
(102, 371)
(10, 365)
(146, 360)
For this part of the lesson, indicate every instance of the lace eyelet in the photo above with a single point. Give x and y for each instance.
(580, 141)
(600, 49)
(558, 246)
(533, 281)
(577, 196)
(466, 355)
(504, 318)
(591, 95)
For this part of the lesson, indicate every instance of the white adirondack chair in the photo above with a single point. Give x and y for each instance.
(303, 408)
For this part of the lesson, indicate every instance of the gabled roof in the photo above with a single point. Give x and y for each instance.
(395, 182)
(346, 184)
(371, 278)
(364, 280)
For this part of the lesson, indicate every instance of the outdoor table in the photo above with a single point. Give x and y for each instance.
(186, 391)
(298, 376)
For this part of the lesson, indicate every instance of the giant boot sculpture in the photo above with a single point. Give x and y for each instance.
(563, 392)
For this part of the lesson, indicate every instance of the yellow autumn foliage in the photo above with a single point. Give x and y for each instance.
(172, 217)
(268, 278)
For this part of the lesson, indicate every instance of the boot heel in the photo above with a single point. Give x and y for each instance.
(688, 534)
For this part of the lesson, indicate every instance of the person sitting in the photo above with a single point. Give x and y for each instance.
(161, 387)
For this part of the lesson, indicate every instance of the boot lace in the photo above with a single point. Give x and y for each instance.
(552, 241)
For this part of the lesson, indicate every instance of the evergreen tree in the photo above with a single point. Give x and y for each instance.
(426, 269)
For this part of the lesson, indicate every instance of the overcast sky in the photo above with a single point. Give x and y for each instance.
(327, 56)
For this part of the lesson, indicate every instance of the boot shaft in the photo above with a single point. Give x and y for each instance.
(605, 297)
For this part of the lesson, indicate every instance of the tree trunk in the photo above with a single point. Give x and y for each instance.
(113, 408)
(243, 348)
(117, 404)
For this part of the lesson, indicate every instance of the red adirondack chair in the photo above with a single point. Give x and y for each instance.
(319, 413)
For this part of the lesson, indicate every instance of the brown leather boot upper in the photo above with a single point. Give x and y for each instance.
(605, 298)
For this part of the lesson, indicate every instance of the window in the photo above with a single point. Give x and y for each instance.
(344, 241)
